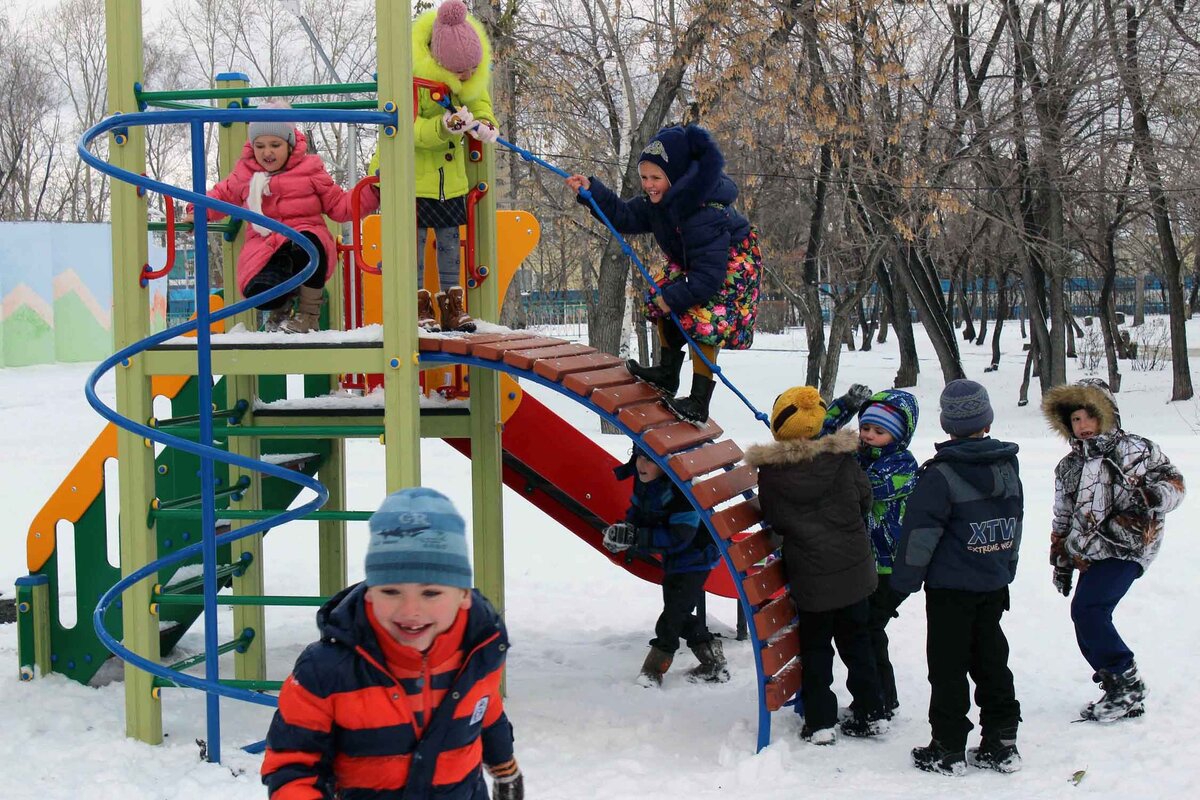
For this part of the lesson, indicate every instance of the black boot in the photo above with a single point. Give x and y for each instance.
(664, 377)
(998, 753)
(935, 757)
(694, 407)
(712, 667)
(654, 667)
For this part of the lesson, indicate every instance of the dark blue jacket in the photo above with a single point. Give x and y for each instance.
(695, 223)
(667, 525)
(962, 528)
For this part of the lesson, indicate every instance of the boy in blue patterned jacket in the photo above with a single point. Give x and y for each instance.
(661, 521)
(887, 421)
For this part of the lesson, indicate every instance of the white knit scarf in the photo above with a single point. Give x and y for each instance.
(260, 184)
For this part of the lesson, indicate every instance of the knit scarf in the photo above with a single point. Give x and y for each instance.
(260, 184)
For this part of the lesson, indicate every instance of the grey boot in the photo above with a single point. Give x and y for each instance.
(276, 317)
(712, 667)
(308, 312)
(654, 667)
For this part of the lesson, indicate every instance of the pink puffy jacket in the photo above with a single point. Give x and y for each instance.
(299, 194)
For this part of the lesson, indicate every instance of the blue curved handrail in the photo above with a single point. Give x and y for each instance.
(207, 548)
(764, 714)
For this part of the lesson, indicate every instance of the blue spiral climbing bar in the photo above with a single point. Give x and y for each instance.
(705, 470)
(202, 448)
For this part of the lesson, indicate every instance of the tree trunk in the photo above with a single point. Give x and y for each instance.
(1126, 58)
(896, 307)
(814, 324)
(984, 291)
(1001, 315)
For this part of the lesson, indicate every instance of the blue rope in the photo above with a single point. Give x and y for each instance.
(628, 251)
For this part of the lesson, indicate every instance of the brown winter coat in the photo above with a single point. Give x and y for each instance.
(816, 497)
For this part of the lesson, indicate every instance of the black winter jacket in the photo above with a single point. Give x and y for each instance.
(814, 494)
(962, 527)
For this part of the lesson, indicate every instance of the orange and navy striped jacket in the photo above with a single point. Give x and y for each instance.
(357, 722)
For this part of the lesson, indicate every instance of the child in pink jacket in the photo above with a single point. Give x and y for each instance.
(278, 177)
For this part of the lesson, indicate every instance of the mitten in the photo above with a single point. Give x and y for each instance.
(460, 121)
(854, 398)
(510, 788)
(1062, 580)
(1058, 551)
(619, 536)
(484, 131)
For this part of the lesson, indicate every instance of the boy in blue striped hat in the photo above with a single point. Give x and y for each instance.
(887, 421)
(401, 696)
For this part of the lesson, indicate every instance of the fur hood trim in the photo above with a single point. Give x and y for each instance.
(798, 451)
(1090, 393)
(425, 66)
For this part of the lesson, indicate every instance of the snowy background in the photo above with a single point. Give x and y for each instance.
(579, 628)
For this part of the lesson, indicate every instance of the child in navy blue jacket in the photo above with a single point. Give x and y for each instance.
(961, 536)
(661, 521)
(711, 277)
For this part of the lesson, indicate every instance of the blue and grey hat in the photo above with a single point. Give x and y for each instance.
(417, 536)
(966, 408)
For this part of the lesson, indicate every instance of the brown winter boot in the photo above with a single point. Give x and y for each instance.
(453, 304)
(277, 317)
(308, 312)
(654, 667)
(425, 319)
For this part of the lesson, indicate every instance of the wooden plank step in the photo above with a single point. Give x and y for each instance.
(762, 585)
(780, 650)
(642, 417)
(555, 369)
(494, 351)
(747, 552)
(672, 438)
(735, 519)
(784, 685)
(774, 616)
(429, 344)
(704, 460)
(461, 345)
(582, 383)
(713, 491)
(525, 359)
(614, 398)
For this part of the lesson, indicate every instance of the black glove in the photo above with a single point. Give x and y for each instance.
(1062, 580)
(619, 536)
(510, 788)
(855, 397)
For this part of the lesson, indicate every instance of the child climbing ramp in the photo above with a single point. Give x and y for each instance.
(711, 277)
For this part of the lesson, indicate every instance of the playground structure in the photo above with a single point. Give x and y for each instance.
(170, 504)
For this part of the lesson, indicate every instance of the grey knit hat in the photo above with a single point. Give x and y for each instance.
(417, 536)
(284, 130)
(966, 409)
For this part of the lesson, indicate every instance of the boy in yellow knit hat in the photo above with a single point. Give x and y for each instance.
(815, 496)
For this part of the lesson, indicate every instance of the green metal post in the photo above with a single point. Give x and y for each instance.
(131, 322)
(402, 412)
(33, 626)
(486, 452)
(249, 663)
(331, 533)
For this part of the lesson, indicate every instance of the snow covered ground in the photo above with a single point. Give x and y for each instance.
(579, 629)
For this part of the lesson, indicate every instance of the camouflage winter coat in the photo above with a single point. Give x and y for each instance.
(1112, 492)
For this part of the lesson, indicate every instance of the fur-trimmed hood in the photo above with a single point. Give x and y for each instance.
(705, 180)
(426, 66)
(799, 451)
(1091, 393)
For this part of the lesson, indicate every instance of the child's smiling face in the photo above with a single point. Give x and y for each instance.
(414, 614)
(271, 152)
(1083, 424)
(654, 181)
